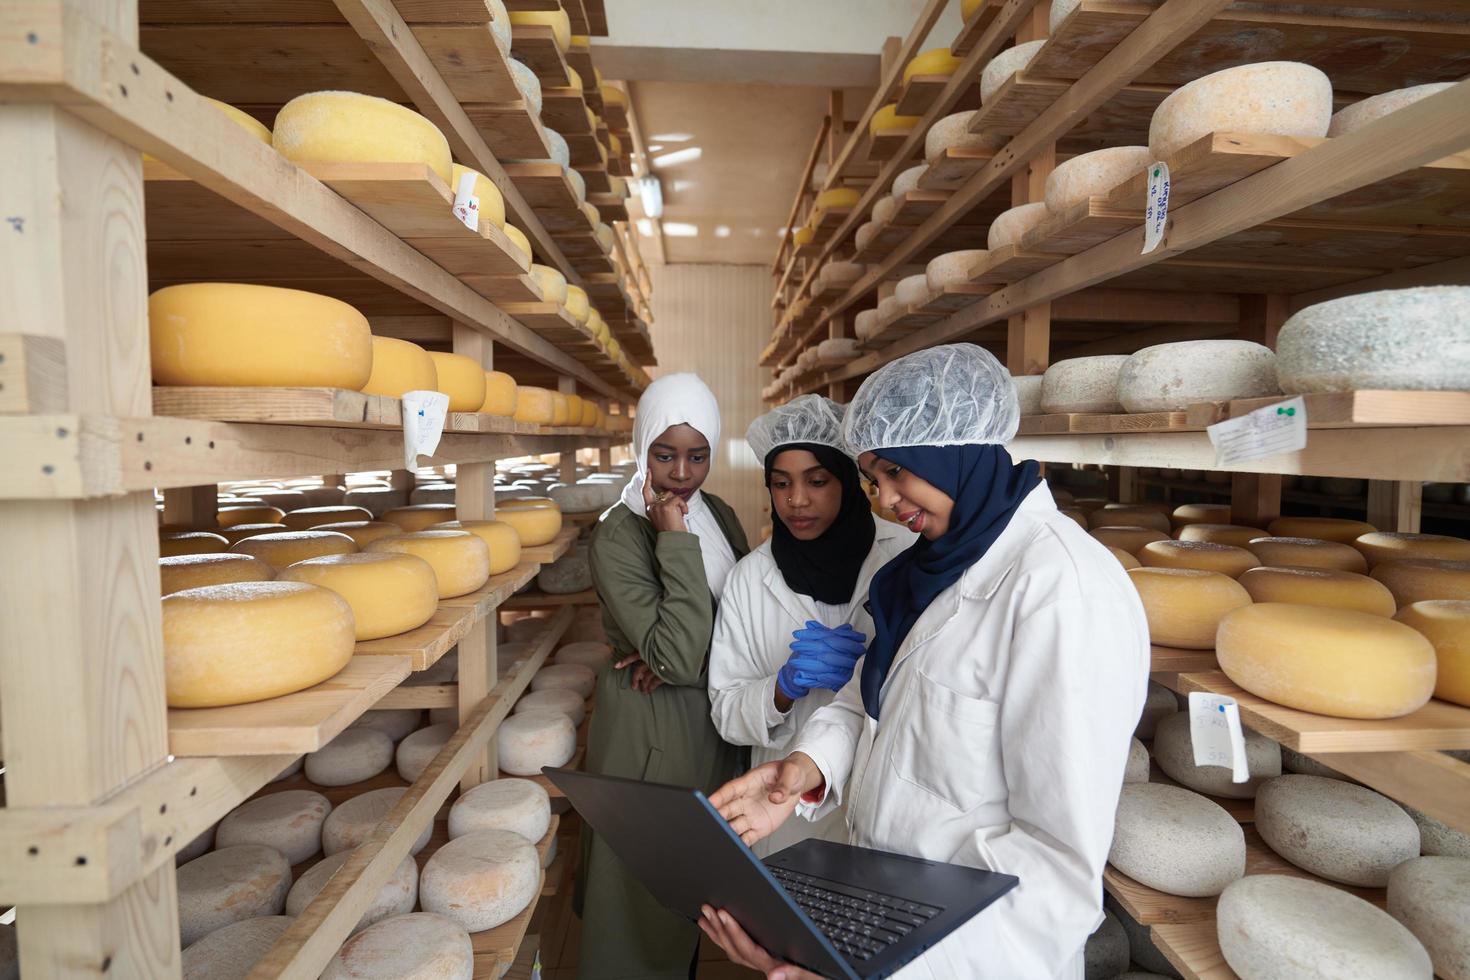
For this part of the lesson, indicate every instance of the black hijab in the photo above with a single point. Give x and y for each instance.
(827, 567)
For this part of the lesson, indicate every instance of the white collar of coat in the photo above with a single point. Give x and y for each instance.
(801, 607)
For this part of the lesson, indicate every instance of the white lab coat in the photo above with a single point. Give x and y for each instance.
(1005, 729)
(752, 641)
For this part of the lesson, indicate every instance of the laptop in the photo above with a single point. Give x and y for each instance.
(833, 909)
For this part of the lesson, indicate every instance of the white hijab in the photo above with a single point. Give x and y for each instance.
(682, 399)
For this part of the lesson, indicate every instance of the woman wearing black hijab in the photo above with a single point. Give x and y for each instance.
(792, 622)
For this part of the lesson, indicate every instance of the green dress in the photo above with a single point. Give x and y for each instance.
(656, 602)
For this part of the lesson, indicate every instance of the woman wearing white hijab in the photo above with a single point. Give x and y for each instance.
(659, 562)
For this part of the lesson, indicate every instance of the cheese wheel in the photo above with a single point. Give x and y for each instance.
(1445, 623)
(1184, 606)
(481, 880)
(1130, 515)
(1093, 174)
(399, 367)
(908, 181)
(887, 120)
(553, 284)
(1009, 227)
(491, 203)
(244, 120)
(1431, 896)
(1416, 579)
(913, 291)
(180, 572)
(398, 895)
(557, 20)
(579, 498)
(1004, 65)
(863, 236)
(376, 499)
(1125, 558)
(560, 409)
(572, 677)
(1231, 534)
(519, 240)
(1205, 555)
(1129, 539)
(535, 405)
(249, 514)
(517, 805)
(323, 496)
(577, 304)
(589, 414)
(499, 537)
(462, 379)
(1028, 393)
(460, 560)
(1336, 662)
(393, 722)
(1380, 546)
(935, 61)
(588, 654)
(432, 493)
(289, 821)
(1282, 98)
(389, 593)
(232, 644)
(230, 885)
(345, 127)
(529, 86)
(1375, 107)
(1307, 553)
(838, 197)
(1159, 703)
(532, 739)
(968, 8)
(953, 133)
(417, 750)
(1335, 829)
(1081, 384)
(1136, 770)
(1176, 841)
(416, 946)
(310, 518)
(1173, 750)
(355, 819)
(417, 517)
(558, 699)
(889, 308)
(362, 533)
(282, 548)
(803, 235)
(230, 953)
(1439, 838)
(1171, 377)
(953, 268)
(534, 525)
(1319, 587)
(500, 394)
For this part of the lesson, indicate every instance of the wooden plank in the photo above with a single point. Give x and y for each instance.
(510, 129)
(1194, 949)
(1122, 120)
(32, 374)
(921, 91)
(565, 110)
(534, 45)
(543, 600)
(973, 28)
(1372, 408)
(1032, 425)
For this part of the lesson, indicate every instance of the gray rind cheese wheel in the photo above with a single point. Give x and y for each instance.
(1373, 108)
(587, 653)
(525, 630)
(578, 498)
(1431, 896)
(396, 723)
(1176, 841)
(573, 677)
(884, 210)
(913, 291)
(289, 821)
(517, 805)
(1437, 838)
(230, 885)
(1093, 174)
(864, 234)
(1004, 65)
(196, 847)
(1140, 944)
(1137, 768)
(909, 179)
(558, 699)
(529, 86)
(953, 133)
(416, 946)
(1106, 953)
(354, 755)
(354, 820)
(417, 750)
(1278, 926)
(1171, 377)
(231, 953)
(1009, 227)
(1028, 393)
(481, 880)
(533, 739)
(1158, 703)
(291, 770)
(1293, 761)
(399, 894)
(1082, 384)
(1334, 829)
(952, 268)
(1174, 752)
(1281, 98)
(567, 575)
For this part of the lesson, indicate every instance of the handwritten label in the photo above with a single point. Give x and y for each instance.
(1156, 208)
(1214, 730)
(466, 204)
(1269, 431)
(424, 413)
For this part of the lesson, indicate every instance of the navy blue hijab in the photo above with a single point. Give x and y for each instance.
(986, 487)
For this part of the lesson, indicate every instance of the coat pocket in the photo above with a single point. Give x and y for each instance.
(945, 745)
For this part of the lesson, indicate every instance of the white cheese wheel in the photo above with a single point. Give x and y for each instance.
(1176, 841)
(1028, 393)
(533, 739)
(230, 953)
(1445, 623)
(280, 549)
(1431, 896)
(909, 179)
(310, 518)
(913, 291)
(1405, 339)
(354, 755)
(1106, 952)
(864, 233)
(1159, 703)
(355, 819)
(549, 856)
(1334, 662)
(501, 393)
(1129, 515)
(1381, 546)
(1319, 587)
(1128, 539)
(889, 308)
(1231, 534)
(1436, 837)
(561, 700)
(1184, 606)
(1417, 579)
(536, 520)
(389, 593)
(1093, 174)
(481, 880)
(230, 885)
(1375, 107)
(587, 653)
(1082, 384)
(953, 133)
(1322, 528)
(419, 517)
(417, 750)
(577, 498)
(1275, 552)
(1205, 555)
(1280, 926)
(1283, 98)
(393, 722)
(884, 210)
(1335, 829)
(399, 894)
(417, 946)
(1171, 377)
(249, 641)
(1004, 65)
(1009, 227)
(567, 575)
(460, 560)
(346, 127)
(953, 268)
(572, 677)
(1174, 752)
(529, 86)
(1137, 768)
(238, 334)
(377, 500)
(289, 821)
(179, 572)
(517, 805)
(400, 366)
(837, 350)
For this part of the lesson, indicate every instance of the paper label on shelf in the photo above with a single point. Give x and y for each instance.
(1269, 431)
(424, 413)
(1214, 730)
(536, 967)
(466, 204)
(1156, 207)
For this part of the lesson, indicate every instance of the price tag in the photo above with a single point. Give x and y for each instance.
(1214, 729)
(466, 204)
(424, 413)
(1269, 431)
(1156, 208)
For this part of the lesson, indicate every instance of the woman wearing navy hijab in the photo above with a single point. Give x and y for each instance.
(991, 722)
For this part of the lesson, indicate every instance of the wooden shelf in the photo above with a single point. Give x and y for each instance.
(1170, 660)
(542, 600)
(451, 621)
(534, 45)
(883, 144)
(973, 28)
(922, 91)
(546, 784)
(1351, 409)
(1036, 425)
(510, 129)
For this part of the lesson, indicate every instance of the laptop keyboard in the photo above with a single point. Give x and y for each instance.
(861, 924)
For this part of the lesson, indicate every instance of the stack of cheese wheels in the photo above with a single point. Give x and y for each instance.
(1185, 606)
(231, 952)
(537, 520)
(1445, 623)
(1319, 587)
(953, 133)
(481, 880)
(1081, 384)
(249, 514)
(1307, 553)
(1171, 377)
(461, 560)
(887, 120)
(1128, 539)
(354, 755)
(501, 394)
(491, 204)
(180, 572)
(389, 593)
(1283, 98)
(1176, 841)
(530, 740)
(502, 540)
(534, 405)
(1093, 175)
(289, 821)
(417, 517)
(353, 821)
(399, 894)
(310, 518)
(1417, 579)
(1373, 108)
(1173, 750)
(517, 805)
(1004, 65)
(345, 127)
(1206, 555)
(1009, 227)
(399, 367)
(1320, 528)
(1337, 662)
(230, 885)
(558, 699)
(462, 379)
(415, 946)
(248, 641)
(1232, 534)
(1381, 546)
(363, 533)
(1335, 829)
(1129, 515)
(235, 334)
(282, 548)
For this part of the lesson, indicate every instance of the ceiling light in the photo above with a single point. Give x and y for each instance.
(645, 227)
(686, 155)
(722, 231)
(651, 193)
(655, 148)
(680, 229)
(672, 137)
(680, 185)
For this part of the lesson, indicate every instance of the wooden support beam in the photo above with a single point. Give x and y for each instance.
(1261, 317)
(192, 507)
(1255, 498)
(1395, 505)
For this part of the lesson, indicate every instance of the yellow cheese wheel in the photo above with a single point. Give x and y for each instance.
(1379, 546)
(935, 61)
(593, 215)
(400, 366)
(502, 540)
(1319, 587)
(492, 204)
(1308, 553)
(363, 533)
(462, 379)
(574, 79)
(310, 517)
(1124, 558)
(1328, 661)
(1185, 605)
(416, 517)
(553, 284)
(1233, 534)
(838, 197)
(1445, 623)
(172, 543)
(249, 514)
(1200, 514)
(236, 334)
(535, 523)
(560, 408)
(574, 409)
(518, 239)
(605, 238)
(1417, 579)
(244, 120)
(1089, 504)
(1128, 539)
(1322, 528)
(612, 95)
(887, 119)
(231, 644)
(598, 326)
(803, 235)
(288, 547)
(534, 405)
(389, 593)
(557, 20)
(1127, 515)
(180, 572)
(577, 304)
(589, 414)
(614, 144)
(969, 8)
(346, 127)
(1207, 556)
(461, 561)
(239, 532)
(500, 394)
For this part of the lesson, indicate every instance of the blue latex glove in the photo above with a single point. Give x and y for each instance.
(821, 658)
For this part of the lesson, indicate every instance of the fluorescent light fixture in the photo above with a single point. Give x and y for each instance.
(655, 148)
(651, 193)
(645, 227)
(722, 231)
(687, 155)
(673, 137)
(681, 185)
(680, 229)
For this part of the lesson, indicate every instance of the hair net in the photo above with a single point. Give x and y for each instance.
(810, 418)
(955, 395)
(674, 399)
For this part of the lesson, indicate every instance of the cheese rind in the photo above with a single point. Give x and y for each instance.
(399, 367)
(502, 540)
(1431, 897)
(462, 379)
(416, 946)
(1081, 384)
(536, 525)
(389, 593)
(1381, 546)
(249, 514)
(229, 953)
(552, 283)
(491, 202)
(1205, 555)
(310, 518)
(346, 127)
(517, 805)
(572, 677)
(416, 751)
(481, 880)
(282, 548)
(460, 560)
(419, 517)
(1335, 829)
(1009, 227)
(1173, 750)
(1277, 552)
(1130, 515)
(953, 133)
(1319, 587)
(887, 119)
(560, 699)
(289, 821)
(1285, 98)
(1445, 623)
(398, 895)
(535, 405)
(935, 61)
(1176, 841)
(1375, 107)
(1171, 377)
(1231, 534)
(180, 572)
(953, 268)
(1093, 175)
(1129, 539)
(363, 533)
(1185, 606)
(533, 739)
(230, 885)
(1416, 579)
(354, 820)
(557, 20)
(1004, 65)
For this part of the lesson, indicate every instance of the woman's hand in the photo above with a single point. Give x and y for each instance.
(726, 933)
(644, 680)
(666, 511)
(758, 802)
